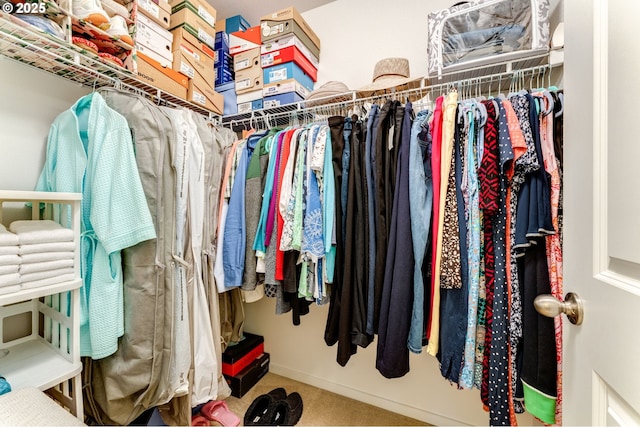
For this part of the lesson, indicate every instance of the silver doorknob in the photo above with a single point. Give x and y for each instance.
(550, 306)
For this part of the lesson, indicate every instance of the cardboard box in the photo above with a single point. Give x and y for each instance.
(282, 99)
(223, 64)
(181, 36)
(247, 107)
(151, 25)
(241, 41)
(237, 351)
(221, 25)
(166, 79)
(289, 54)
(224, 76)
(191, 62)
(272, 31)
(249, 79)
(188, 19)
(286, 21)
(152, 36)
(222, 59)
(160, 12)
(222, 41)
(201, 93)
(288, 41)
(290, 13)
(246, 379)
(249, 96)
(286, 71)
(247, 59)
(158, 57)
(203, 9)
(290, 85)
(236, 23)
(228, 91)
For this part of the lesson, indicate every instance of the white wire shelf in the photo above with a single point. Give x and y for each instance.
(23, 43)
(486, 80)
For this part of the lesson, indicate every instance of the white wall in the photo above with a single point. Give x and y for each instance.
(30, 101)
(355, 34)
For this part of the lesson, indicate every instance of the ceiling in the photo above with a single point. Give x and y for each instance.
(253, 10)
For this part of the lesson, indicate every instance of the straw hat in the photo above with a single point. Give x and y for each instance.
(390, 73)
(328, 93)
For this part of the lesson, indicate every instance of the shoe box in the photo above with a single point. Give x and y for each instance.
(281, 99)
(223, 61)
(248, 72)
(164, 78)
(159, 11)
(284, 86)
(289, 41)
(224, 76)
(246, 106)
(289, 21)
(286, 71)
(187, 15)
(238, 356)
(236, 23)
(289, 54)
(201, 92)
(192, 61)
(153, 40)
(228, 91)
(201, 7)
(241, 383)
(241, 41)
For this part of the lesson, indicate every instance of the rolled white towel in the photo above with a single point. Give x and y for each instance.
(46, 247)
(9, 269)
(45, 256)
(9, 250)
(40, 231)
(10, 260)
(7, 238)
(45, 274)
(9, 289)
(9, 279)
(45, 266)
(48, 281)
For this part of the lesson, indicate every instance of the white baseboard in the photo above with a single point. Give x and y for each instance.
(363, 396)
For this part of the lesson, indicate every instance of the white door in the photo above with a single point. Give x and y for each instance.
(602, 211)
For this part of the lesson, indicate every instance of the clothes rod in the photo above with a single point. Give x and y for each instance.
(293, 113)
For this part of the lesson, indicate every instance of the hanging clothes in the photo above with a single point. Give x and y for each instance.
(420, 207)
(395, 320)
(453, 301)
(135, 372)
(461, 190)
(447, 178)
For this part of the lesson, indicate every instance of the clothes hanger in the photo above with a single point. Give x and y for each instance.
(561, 99)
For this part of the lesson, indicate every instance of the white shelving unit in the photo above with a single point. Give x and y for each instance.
(48, 357)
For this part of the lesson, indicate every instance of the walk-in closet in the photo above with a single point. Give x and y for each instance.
(319, 212)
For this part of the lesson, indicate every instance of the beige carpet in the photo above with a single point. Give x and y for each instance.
(321, 407)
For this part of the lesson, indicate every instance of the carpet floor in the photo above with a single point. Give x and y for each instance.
(321, 407)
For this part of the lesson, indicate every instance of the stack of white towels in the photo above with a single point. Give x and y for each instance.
(9, 262)
(35, 254)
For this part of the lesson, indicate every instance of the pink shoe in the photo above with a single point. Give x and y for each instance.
(199, 420)
(217, 410)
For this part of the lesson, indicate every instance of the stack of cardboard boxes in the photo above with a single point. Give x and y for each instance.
(244, 363)
(274, 63)
(225, 67)
(290, 55)
(154, 46)
(245, 49)
(193, 28)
